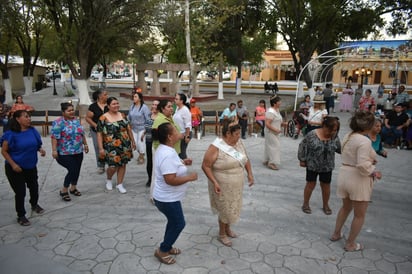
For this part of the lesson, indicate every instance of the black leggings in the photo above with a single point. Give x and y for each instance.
(18, 182)
(73, 164)
(149, 159)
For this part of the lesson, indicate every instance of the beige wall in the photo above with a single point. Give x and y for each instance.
(16, 77)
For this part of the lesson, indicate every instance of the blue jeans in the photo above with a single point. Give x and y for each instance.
(73, 164)
(389, 135)
(175, 222)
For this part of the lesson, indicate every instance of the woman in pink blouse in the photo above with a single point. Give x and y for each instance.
(366, 100)
(260, 116)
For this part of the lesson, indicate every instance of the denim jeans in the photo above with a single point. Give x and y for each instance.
(72, 163)
(389, 135)
(175, 222)
(18, 182)
(243, 127)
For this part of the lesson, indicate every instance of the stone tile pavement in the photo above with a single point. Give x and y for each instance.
(109, 232)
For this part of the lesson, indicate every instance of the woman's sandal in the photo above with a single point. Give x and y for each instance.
(273, 166)
(327, 210)
(307, 209)
(175, 251)
(358, 247)
(165, 259)
(75, 192)
(65, 196)
(333, 239)
(225, 240)
(231, 234)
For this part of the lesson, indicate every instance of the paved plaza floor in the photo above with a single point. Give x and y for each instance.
(109, 232)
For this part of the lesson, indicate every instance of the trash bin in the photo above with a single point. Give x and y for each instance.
(38, 85)
(41, 78)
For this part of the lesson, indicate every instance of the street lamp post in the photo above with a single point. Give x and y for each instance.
(54, 82)
(363, 72)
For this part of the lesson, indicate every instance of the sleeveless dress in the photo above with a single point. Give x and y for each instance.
(229, 173)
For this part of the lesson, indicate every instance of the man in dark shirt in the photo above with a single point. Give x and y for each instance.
(395, 121)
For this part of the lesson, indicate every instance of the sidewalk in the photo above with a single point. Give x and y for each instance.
(107, 232)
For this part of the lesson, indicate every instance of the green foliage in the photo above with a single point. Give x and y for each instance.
(92, 31)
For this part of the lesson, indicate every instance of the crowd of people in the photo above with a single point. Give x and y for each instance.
(163, 132)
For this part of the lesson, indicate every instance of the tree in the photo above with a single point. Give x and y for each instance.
(88, 29)
(25, 20)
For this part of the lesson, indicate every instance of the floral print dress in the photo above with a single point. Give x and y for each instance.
(116, 141)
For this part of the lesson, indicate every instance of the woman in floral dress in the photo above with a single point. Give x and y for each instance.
(116, 143)
(68, 143)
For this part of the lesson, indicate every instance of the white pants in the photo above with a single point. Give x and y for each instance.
(140, 145)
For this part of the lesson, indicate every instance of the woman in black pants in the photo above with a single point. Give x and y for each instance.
(68, 142)
(148, 135)
(19, 146)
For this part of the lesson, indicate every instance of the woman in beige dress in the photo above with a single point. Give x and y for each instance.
(224, 164)
(273, 128)
(356, 178)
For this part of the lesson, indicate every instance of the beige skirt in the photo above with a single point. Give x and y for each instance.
(353, 185)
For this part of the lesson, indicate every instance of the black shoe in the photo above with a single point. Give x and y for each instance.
(296, 136)
(149, 183)
(38, 209)
(243, 137)
(23, 221)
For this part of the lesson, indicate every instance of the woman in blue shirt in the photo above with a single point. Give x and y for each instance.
(68, 141)
(19, 146)
(139, 113)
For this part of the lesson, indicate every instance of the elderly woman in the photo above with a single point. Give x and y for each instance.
(356, 178)
(97, 109)
(19, 147)
(273, 127)
(224, 163)
(366, 100)
(68, 143)
(171, 178)
(315, 115)
(317, 153)
(139, 113)
(116, 143)
(374, 135)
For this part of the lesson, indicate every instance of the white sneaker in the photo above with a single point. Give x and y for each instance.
(121, 189)
(109, 185)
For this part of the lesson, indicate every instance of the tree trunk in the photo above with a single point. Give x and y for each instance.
(82, 86)
(7, 91)
(220, 84)
(239, 79)
(193, 91)
(28, 85)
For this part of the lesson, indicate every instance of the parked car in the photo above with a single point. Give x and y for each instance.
(126, 74)
(96, 75)
(49, 76)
